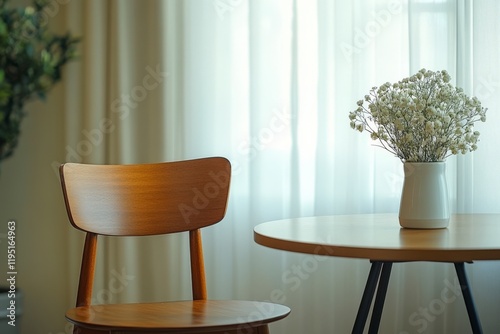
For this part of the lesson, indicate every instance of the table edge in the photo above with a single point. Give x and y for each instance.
(377, 254)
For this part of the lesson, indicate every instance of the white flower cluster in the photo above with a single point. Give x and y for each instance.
(422, 118)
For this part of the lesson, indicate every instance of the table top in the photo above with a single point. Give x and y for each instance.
(379, 237)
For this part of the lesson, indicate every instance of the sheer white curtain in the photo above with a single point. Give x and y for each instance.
(269, 84)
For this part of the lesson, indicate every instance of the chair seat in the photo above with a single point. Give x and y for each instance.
(179, 316)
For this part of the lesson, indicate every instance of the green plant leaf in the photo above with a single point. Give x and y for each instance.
(31, 62)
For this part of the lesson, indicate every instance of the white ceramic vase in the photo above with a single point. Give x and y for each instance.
(424, 199)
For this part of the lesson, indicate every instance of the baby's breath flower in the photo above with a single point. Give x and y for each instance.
(420, 118)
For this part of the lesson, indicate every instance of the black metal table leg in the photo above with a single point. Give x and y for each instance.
(378, 279)
(366, 300)
(469, 302)
(380, 298)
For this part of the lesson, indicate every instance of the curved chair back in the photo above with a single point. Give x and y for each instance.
(146, 199)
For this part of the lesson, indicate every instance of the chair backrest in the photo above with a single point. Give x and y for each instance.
(145, 199)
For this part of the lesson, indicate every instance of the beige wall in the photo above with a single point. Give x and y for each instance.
(30, 195)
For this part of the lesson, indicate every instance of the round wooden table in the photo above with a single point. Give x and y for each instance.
(380, 239)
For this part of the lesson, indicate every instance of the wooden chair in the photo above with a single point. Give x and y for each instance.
(152, 199)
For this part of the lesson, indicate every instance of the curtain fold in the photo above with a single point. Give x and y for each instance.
(269, 84)
(130, 95)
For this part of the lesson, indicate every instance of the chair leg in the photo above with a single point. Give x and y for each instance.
(79, 330)
(262, 330)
